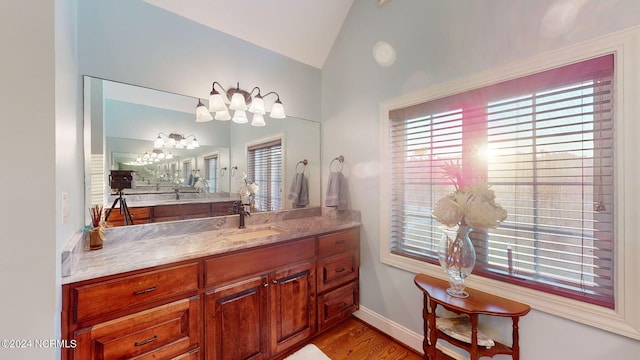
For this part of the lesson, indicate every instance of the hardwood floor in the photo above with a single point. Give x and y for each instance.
(355, 340)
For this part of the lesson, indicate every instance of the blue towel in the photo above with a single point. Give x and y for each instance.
(299, 191)
(336, 191)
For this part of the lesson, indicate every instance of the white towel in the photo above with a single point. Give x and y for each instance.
(308, 352)
(299, 191)
(336, 191)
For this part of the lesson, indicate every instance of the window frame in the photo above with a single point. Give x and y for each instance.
(624, 319)
(266, 142)
(207, 158)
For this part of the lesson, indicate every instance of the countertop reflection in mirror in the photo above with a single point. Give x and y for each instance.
(122, 121)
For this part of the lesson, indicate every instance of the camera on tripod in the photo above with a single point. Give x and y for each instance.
(120, 180)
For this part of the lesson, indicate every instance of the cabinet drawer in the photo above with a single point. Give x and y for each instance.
(337, 270)
(337, 305)
(158, 333)
(107, 296)
(234, 267)
(338, 242)
(191, 355)
(181, 210)
(139, 215)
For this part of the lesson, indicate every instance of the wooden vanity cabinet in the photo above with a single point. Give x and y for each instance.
(173, 212)
(147, 315)
(260, 302)
(338, 273)
(139, 215)
(256, 303)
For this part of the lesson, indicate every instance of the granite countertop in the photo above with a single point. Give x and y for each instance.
(159, 245)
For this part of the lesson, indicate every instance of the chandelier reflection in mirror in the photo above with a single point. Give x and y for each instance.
(148, 158)
(240, 101)
(177, 141)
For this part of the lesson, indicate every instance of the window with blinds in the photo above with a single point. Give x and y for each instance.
(545, 144)
(264, 167)
(211, 171)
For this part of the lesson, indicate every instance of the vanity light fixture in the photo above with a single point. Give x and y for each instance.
(240, 101)
(177, 141)
(202, 113)
(150, 157)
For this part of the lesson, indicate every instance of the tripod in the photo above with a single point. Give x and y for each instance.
(128, 220)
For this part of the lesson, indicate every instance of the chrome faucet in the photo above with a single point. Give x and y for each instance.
(242, 210)
(177, 194)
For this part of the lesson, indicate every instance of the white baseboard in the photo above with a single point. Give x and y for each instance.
(400, 333)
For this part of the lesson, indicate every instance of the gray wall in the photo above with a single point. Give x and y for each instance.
(39, 109)
(437, 41)
(137, 43)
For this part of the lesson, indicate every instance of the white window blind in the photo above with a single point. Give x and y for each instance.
(545, 144)
(211, 171)
(264, 165)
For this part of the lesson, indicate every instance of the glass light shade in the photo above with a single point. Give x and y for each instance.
(240, 117)
(237, 102)
(159, 142)
(277, 111)
(258, 120)
(146, 155)
(161, 156)
(202, 113)
(216, 102)
(195, 143)
(171, 142)
(223, 115)
(183, 142)
(257, 106)
(169, 156)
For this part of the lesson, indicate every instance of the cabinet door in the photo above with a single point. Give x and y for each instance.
(292, 306)
(236, 321)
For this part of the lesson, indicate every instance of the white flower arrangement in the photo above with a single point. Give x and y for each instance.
(248, 187)
(470, 204)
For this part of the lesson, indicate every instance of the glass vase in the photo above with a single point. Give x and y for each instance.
(457, 258)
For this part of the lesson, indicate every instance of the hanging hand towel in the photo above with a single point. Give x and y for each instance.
(299, 191)
(336, 191)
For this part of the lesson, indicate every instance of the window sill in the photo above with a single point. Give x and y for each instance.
(600, 317)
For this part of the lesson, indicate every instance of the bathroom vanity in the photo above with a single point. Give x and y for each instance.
(220, 294)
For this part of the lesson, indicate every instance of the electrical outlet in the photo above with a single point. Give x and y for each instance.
(64, 208)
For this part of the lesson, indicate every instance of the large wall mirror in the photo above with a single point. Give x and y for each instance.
(122, 122)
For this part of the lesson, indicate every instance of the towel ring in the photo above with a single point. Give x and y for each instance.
(233, 173)
(223, 170)
(341, 161)
(304, 165)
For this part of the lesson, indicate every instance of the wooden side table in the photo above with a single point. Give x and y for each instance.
(477, 303)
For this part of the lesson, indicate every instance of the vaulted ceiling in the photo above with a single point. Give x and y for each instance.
(303, 30)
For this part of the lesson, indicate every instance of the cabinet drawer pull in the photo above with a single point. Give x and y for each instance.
(265, 284)
(342, 306)
(340, 242)
(144, 342)
(340, 270)
(140, 292)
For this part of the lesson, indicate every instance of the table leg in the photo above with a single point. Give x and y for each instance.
(473, 351)
(430, 350)
(515, 346)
